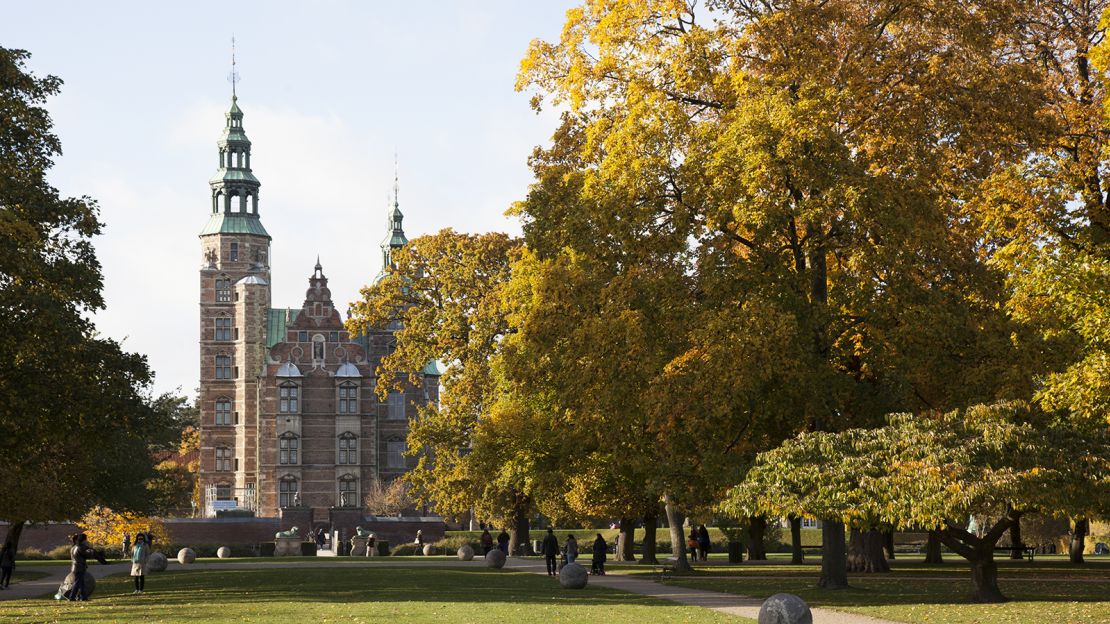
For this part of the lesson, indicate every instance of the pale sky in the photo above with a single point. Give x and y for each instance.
(329, 91)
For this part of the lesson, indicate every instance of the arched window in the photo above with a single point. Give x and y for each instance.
(223, 367)
(223, 289)
(223, 459)
(348, 491)
(289, 398)
(288, 491)
(288, 447)
(348, 448)
(348, 398)
(223, 411)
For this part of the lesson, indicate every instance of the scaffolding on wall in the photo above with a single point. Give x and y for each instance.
(224, 498)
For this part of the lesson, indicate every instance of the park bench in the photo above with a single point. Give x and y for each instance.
(1026, 551)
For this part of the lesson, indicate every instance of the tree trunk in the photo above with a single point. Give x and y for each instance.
(984, 573)
(865, 552)
(932, 549)
(678, 540)
(757, 529)
(1078, 537)
(1015, 538)
(625, 543)
(834, 556)
(888, 543)
(651, 521)
(518, 532)
(15, 529)
(796, 554)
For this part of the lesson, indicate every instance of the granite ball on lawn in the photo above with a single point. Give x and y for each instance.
(67, 584)
(223, 552)
(466, 552)
(495, 558)
(573, 576)
(186, 556)
(785, 609)
(429, 550)
(156, 562)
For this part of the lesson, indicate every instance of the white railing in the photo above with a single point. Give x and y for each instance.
(241, 498)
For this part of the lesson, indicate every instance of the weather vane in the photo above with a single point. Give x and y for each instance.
(233, 77)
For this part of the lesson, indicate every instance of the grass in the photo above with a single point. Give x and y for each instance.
(360, 595)
(18, 576)
(1049, 590)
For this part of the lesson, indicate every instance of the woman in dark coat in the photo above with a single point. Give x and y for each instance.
(703, 542)
(597, 565)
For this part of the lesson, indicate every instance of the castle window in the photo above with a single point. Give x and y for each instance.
(223, 459)
(395, 454)
(223, 412)
(287, 491)
(223, 290)
(348, 398)
(396, 402)
(234, 253)
(223, 491)
(223, 367)
(288, 445)
(348, 491)
(333, 336)
(348, 448)
(318, 347)
(302, 336)
(223, 328)
(289, 394)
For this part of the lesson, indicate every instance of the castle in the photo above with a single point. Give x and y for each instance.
(288, 413)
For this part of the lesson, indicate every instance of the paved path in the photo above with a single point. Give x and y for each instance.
(732, 604)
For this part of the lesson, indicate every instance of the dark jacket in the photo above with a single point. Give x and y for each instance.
(503, 538)
(487, 539)
(7, 557)
(550, 546)
(703, 538)
(79, 555)
(601, 549)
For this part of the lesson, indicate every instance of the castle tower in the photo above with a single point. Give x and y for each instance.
(395, 234)
(234, 305)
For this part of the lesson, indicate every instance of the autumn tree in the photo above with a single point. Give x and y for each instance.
(65, 392)
(444, 290)
(934, 471)
(809, 161)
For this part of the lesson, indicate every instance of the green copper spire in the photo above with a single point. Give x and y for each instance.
(395, 237)
(234, 187)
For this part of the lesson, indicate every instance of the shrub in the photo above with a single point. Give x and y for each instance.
(32, 554)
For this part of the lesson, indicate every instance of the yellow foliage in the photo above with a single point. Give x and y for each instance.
(105, 527)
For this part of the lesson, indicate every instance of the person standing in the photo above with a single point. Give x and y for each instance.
(139, 555)
(601, 549)
(7, 564)
(550, 548)
(79, 564)
(486, 541)
(703, 542)
(127, 544)
(572, 549)
(503, 541)
(692, 543)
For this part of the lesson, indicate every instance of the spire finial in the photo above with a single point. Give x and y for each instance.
(396, 176)
(233, 77)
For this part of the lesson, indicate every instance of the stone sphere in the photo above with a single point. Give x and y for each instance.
(186, 556)
(429, 550)
(573, 576)
(223, 552)
(156, 563)
(495, 559)
(785, 609)
(67, 584)
(466, 552)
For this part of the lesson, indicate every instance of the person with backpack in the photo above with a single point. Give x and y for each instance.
(139, 555)
(601, 549)
(550, 548)
(692, 543)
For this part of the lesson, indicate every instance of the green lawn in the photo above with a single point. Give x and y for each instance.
(914, 592)
(26, 575)
(394, 595)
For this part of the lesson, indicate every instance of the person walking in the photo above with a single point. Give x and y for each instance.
(79, 564)
(703, 542)
(550, 550)
(572, 549)
(503, 541)
(486, 541)
(601, 549)
(139, 555)
(7, 564)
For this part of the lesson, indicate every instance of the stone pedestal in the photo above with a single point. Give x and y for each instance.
(300, 517)
(345, 519)
(287, 546)
(358, 546)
